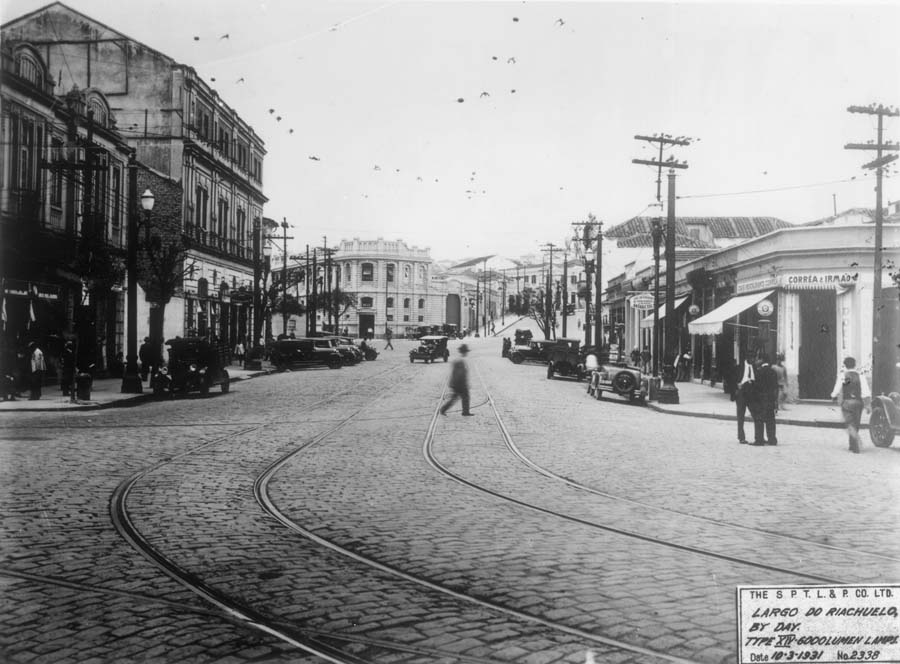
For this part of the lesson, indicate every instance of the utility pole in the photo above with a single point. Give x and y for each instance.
(548, 306)
(284, 275)
(592, 267)
(881, 372)
(306, 278)
(668, 392)
(565, 293)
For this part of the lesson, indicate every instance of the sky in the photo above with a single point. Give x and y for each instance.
(478, 128)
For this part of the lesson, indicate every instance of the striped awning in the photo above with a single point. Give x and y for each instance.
(713, 322)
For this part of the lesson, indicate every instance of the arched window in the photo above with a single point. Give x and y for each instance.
(202, 287)
(389, 268)
(368, 272)
(365, 302)
(421, 303)
(406, 303)
(406, 273)
(421, 273)
(30, 67)
(100, 110)
(347, 272)
(390, 303)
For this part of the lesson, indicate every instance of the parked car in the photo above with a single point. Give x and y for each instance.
(194, 364)
(566, 358)
(619, 378)
(430, 348)
(522, 337)
(884, 421)
(350, 354)
(294, 353)
(533, 351)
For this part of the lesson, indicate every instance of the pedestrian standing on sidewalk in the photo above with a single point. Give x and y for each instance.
(645, 360)
(38, 369)
(781, 372)
(765, 400)
(636, 357)
(239, 352)
(144, 355)
(459, 383)
(67, 360)
(852, 392)
(388, 335)
(742, 396)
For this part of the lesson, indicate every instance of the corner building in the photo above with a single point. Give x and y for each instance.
(181, 129)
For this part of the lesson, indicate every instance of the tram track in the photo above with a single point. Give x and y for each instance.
(516, 451)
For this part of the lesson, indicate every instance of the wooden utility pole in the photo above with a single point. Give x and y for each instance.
(284, 275)
(548, 306)
(881, 374)
(668, 392)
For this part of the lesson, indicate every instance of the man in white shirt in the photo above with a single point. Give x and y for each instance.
(38, 368)
(852, 392)
(742, 396)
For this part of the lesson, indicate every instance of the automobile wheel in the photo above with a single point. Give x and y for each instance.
(549, 372)
(226, 384)
(204, 387)
(880, 429)
(335, 363)
(624, 383)
(410, 359)
(516, 358)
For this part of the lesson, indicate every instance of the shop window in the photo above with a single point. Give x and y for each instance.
(368, 272)
(202, 287)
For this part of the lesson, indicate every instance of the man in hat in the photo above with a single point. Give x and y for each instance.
(38, 368)
(459, 383)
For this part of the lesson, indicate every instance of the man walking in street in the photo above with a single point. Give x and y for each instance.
(764, 403)
(852, 392)
(459, 383)
(388, 335)
(144, 355)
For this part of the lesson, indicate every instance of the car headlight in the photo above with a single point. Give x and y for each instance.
(192, 367)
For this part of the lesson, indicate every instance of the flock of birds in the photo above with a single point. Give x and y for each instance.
(472, 190)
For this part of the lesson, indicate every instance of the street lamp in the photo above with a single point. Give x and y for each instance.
(131, 378)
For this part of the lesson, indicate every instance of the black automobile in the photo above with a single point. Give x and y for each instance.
(297, 353)
(430, 348)
(566, 358)
(532, 351)
(195, 364)
(350, 354)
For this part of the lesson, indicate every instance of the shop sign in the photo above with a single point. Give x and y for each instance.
(29, 289)
(763, 283)
(765, 308)
(818, 280)
(643, 301)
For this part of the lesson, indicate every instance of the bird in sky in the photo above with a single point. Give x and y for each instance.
(560, 22)
(291, 131)
(240, 80)
(513, 91)
(212, 78)
(515, 19)
(418, 179)
(485, 94)
(225, 36)
(511, 61)
(377, 167)
(278, 118)
(494, 57)
(271, 110)
(460, 100)
(314, 157)
(196, 38)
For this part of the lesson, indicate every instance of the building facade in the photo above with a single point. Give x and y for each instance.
(180, 128)
(63, 213)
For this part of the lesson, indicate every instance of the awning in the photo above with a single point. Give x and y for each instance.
(647, 321)
(712, 322)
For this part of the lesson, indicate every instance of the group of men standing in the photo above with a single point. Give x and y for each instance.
(758, 392)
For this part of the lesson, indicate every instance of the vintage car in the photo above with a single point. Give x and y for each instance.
(884, 422)
(294, 353)
(430, 348)
(618, 378)
(566, 358)
(350, 354)
(522, 337)
(194, 364)
(533, 351)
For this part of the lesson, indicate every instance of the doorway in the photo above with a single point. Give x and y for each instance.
(818, 315)
(366, 323)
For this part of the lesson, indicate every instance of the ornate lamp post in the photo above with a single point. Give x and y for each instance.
(131, 379)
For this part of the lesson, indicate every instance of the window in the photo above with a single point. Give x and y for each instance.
(390, 271)
(29, 68)
(201, 207)
(365, 302)
(534, 278)
(405, 318)
(574, 279)
(406, 303)
(100, 112)
(202, 287)
(390, 316)
(421, 273)
(202, 122)
(421, 318)
(390, 303)
(406, 273)
(421, 304)
(347, 272)
(368, 272)
(56, 186)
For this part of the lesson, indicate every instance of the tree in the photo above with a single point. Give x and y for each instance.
(336, 302)
(533, 305)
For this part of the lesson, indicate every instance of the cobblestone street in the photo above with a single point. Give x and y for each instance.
(333, 515)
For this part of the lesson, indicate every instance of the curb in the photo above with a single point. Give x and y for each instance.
(124, 402)
(829, 424)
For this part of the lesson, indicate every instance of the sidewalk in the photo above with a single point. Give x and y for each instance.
(105, 393)
(698, 400)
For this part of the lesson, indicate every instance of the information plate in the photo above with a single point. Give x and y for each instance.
(822, 624)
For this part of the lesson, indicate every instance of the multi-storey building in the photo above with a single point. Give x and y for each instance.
(63, 211)
(180, 128)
